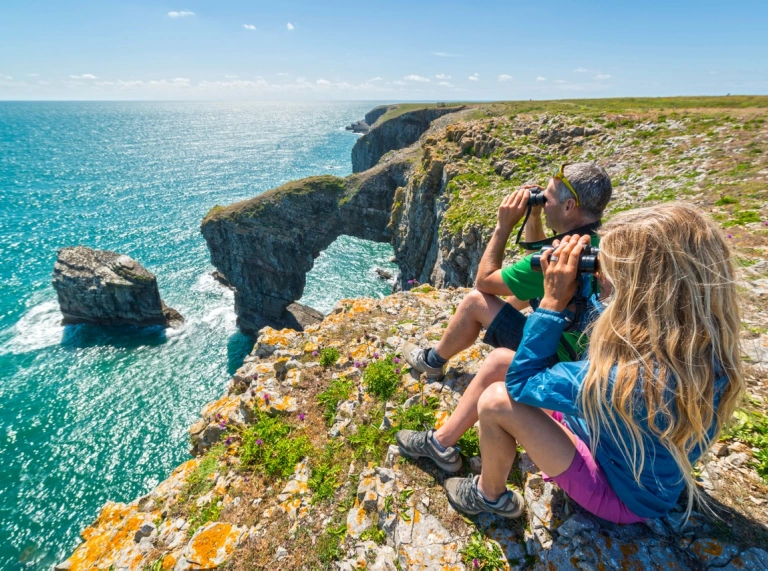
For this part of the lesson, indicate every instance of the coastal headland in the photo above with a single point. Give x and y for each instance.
(294, 465)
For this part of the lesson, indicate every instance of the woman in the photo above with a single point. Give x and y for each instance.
(620, 430)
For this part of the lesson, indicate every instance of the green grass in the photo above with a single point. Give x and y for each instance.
(469, 443)
(329, 547)
(751, 428)
(200, 516)
(199, 481)
(419, 416)
(329, 356)
(338, 391)
(725, 199)
(368, 443)
(382, 377)
(482, 553)
(742, 217)
(324, 480)
(270, 446)
(374, 534)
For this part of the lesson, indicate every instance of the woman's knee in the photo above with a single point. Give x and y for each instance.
(494, 367)
(494, 401)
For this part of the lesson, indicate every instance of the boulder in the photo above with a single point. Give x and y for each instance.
(105, 288)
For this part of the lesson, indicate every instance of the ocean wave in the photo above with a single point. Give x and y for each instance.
(38, 328)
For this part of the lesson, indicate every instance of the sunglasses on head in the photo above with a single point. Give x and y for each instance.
(559, 175)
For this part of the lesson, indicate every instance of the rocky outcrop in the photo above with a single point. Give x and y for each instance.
(265, 246)
(396, 133)
(373, 115)
(358, 127)
(105, 288)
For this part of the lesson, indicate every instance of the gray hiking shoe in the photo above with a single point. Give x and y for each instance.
(465, 496)
(415, 357)
(419, 445)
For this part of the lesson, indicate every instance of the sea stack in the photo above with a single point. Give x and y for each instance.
(99, 287)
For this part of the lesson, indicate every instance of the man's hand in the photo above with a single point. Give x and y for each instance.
(512, 209)
(560, 268)
(535, 210)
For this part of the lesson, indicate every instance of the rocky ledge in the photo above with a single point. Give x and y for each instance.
(99, 287)
(331, 491)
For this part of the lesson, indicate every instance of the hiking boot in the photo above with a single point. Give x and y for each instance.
(415, 356)
(465, 496)
(419, 445)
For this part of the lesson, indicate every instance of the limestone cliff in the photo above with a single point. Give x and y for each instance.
(399, 132)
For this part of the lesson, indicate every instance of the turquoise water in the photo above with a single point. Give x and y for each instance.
(88, 414)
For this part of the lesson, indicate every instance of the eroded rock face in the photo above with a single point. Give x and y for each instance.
(394, 134)
(105, 288)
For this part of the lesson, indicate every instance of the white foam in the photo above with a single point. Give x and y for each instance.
(206, 283)
(38, 327)
(221, 317)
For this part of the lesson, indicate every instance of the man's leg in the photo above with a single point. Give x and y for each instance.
(475, 311)
(439, 445)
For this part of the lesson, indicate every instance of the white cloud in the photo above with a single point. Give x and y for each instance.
(5, 77)
(559, 81)
(323, 82)
(445, 84)
(398, 82)
(33, 75)
(414, 77)
(290, 26)
(84, 76)
(539, 78)
(444, 54)
(474, 77)
(230, 77)
(505, 77)
(43, 82)
(249, 26)
(601, 76)
(182, 14)
(282, 74)
(377, 78)
(442, 76)
(580, 70)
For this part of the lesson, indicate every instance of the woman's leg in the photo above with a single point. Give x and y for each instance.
(504, 423)
(464, 416)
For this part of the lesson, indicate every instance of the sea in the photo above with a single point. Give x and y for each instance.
(90, 414)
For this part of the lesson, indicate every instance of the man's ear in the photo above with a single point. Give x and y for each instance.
(570, 204)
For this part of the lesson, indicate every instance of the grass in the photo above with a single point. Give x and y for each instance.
(368, 443)
(469, 443)
(329, 547)
(741, 217)
(200, 516)
(200, 481)
(751, 428)
(419, 416)
(324, 480)
(482, 553)
(338, 391)
(271, 447)
(382, 377)
(329, 356)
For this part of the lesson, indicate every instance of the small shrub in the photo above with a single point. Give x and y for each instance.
(368, 442)
(325, 474)
(469, 443)
(374, 534)
(198, 518)
(267, 448)
(743, 217)
(329, 356)
(382, 377)
(726, 200)
(198, 482)
(419, 416)
(751, 428)
(338, 391)
(481, 553)
(329, 543)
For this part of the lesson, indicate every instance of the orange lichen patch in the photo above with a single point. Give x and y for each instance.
(471, 354)
(263, 368)
(710, 547)
(362, 351)
(223, 406)
(169, 562)
(440, 417)
(112, 532)
(282, 338)
(291, 507)
(627, 549)
(309, 347)
(212, 545)
(416, 516)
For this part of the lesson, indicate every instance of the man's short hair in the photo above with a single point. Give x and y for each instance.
(593, 185)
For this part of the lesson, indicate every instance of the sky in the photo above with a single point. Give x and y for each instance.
(394, 50)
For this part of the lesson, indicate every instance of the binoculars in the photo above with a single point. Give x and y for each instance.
(536, 199)
(588, 260)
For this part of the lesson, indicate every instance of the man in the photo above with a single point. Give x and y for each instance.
(576, 197)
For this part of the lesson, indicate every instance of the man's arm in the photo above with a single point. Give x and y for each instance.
(512, 209)
(534, 228)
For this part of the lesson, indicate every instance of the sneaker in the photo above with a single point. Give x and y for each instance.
(465, 496)
(415, 357)
(419, 445)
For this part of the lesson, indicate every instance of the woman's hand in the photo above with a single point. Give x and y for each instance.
(560, 268)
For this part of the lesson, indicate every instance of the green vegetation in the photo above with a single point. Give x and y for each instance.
(419, 416)
(482, 553)
(325, 473)
(469, 443)
(338, 391)
(742, 217)
(368, 442)
(374, 534)
(723, 200)
(329, 543)
(267, 448)
(329, 356)
(200, 516)
(382, 377)
(751, 428)
(200, 481)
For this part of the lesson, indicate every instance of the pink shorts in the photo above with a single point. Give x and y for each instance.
(585, 482)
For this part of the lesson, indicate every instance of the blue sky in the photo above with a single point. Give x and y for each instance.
(395, 50)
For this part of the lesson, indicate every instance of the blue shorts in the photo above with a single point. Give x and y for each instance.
(506, 330)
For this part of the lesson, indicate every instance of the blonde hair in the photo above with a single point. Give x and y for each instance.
(671, 328)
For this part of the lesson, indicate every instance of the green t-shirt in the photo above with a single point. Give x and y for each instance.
(527, 284)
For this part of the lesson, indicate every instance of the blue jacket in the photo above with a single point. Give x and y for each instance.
(528, 381)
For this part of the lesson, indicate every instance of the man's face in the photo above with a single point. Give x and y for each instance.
(554, 211)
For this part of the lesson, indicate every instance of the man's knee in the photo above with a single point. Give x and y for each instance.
(494, 401)
(482, 307)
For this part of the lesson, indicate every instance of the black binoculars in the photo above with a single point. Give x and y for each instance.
(536, 199)
(588, 262)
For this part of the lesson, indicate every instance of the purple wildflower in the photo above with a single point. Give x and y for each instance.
(729, 235)
(266, 398)
(375, 355)
(314, 353)
(765, 222)
(475, 564)
(222, 424)
(357, 364)
(395, 360)
(397, 371)
(411, 282)
(301, 416)
(259, 442)
(228, 441)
